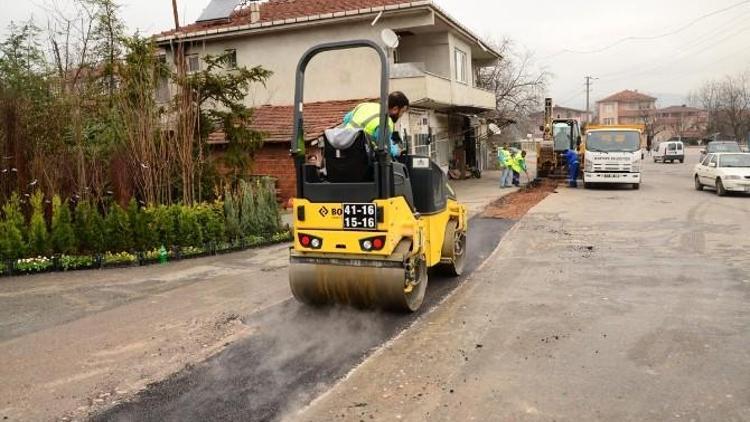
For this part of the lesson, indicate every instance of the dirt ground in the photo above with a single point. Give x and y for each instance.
(517, 204)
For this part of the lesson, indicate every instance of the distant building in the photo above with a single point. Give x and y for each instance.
(687, 123)
(625, 107)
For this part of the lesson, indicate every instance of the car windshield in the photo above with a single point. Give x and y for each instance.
(724, 147)
(735, 160)
(613, 141)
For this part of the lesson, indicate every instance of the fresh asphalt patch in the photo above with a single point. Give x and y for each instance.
(295, 354)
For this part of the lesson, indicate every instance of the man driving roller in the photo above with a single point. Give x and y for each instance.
(366, 116)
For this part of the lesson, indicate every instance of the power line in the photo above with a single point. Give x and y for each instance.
(675, 59)
(653, 37)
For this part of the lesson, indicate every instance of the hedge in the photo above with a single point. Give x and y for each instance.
(87, 235)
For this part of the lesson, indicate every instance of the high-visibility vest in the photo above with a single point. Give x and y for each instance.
(504, 157)
(518, 163)
(366, 116)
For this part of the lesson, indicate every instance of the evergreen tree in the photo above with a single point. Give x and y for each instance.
(11, 241)
(63, 235)
(118, 230)
(14, 217)
(249, 218)
(268, 209)
(38, 236)
(231, 216)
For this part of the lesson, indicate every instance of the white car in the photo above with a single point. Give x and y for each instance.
(725, 172)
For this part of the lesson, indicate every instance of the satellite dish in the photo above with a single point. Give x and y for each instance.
(390, 39)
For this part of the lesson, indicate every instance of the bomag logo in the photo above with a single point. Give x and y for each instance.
(333, 212)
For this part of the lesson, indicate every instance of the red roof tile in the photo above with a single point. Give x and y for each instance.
(276, 122)
(274, 10)
(627, 96)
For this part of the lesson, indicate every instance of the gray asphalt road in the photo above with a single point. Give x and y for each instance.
(295, 354)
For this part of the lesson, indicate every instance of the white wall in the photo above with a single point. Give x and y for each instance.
(333, 76)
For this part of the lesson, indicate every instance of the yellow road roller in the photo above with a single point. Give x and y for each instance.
(368, 227)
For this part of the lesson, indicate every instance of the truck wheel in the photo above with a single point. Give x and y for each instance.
(636, 186)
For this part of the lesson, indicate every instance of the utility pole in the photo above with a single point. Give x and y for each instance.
(588, 95)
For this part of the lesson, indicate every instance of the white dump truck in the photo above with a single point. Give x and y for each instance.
(613, 154)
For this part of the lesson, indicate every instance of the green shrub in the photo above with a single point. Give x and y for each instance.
(162, 225)
(231, 217)
(63, 236)
(11, 241)
(13, 215)
(38, 236)
(189, 231)
(211, 219)
(143, 237)
(121, 258)
(268, 209)
(33, 265)
(249, 216)
(89, 228)
(118, 230)
(69, 262)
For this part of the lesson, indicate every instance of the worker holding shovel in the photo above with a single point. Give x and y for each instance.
(518, 165)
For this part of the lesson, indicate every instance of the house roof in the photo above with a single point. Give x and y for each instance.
(285, 12)
(679, 109)
(627, 96)
(277, 122)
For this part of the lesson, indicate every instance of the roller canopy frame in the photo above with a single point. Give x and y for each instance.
(384, 175)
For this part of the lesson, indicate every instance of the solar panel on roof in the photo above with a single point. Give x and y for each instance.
(218, 9)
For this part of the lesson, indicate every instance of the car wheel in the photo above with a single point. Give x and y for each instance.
(720, 188)
(682, 161)
(698, 184)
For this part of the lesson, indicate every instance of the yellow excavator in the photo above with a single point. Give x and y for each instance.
(367, 227)
(559, 136)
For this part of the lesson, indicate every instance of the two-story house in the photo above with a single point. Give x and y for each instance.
(435, 65)
(625, 107)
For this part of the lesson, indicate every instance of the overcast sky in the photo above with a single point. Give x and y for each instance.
(681, 50)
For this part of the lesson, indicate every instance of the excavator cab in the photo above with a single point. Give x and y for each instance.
(367, 227)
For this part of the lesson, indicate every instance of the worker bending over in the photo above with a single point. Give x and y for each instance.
(366, 116)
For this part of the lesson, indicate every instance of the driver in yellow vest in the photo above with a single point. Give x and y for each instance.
(367, 117)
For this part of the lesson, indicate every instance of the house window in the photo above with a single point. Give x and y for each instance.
(231, 58)
(193, 63)
(462, 71)
(609, 108)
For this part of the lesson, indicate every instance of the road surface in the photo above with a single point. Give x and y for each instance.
(600, 305)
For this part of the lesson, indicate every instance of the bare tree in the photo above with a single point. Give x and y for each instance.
(728, 104)
(517, 84)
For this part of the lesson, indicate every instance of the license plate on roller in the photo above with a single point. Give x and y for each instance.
(360, 217)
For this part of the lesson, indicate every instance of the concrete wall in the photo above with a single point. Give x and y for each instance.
(431, 49)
